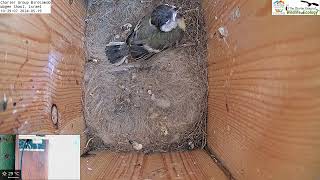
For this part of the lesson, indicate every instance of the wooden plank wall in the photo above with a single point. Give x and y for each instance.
(41, 65)
(174, 165)
(264, 91)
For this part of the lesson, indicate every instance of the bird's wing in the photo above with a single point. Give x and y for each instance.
(133, 32)
(147, 40)
(164, 40)
(142, 32)
(153, 39)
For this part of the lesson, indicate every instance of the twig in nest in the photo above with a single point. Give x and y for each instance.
(190, 10)
(87, 151)
(88, 143)
(124, 67)
(87, 154)
(187, 45)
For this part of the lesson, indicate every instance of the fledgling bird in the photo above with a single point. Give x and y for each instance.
(160, 30)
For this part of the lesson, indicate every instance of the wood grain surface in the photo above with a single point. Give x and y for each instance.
(41, 64)
(174, 165)
(264, 91)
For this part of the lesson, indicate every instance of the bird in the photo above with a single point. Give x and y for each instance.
(310, 4)
(163, 28)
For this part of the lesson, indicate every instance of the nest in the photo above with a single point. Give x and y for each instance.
(156, 105)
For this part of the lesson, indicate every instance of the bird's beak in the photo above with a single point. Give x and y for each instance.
(177, 9)
(179, 16)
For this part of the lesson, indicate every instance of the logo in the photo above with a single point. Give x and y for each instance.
(295, 7)
(310, 4)
(279, 7)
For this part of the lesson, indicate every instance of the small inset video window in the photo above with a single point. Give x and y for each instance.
(39, 157)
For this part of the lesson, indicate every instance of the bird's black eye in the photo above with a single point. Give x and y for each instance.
(168, 17)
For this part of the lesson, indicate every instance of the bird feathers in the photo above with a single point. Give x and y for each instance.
(117, 52)
(147, 39)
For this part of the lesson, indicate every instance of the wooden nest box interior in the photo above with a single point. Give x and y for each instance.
(263, 93)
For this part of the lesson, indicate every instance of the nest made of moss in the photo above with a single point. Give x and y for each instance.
(155, 105)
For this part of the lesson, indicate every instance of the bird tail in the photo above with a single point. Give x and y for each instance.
(117, 52)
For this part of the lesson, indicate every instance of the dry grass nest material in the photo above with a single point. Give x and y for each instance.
(156, 105)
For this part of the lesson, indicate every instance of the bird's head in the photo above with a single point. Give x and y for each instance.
(166, 18)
